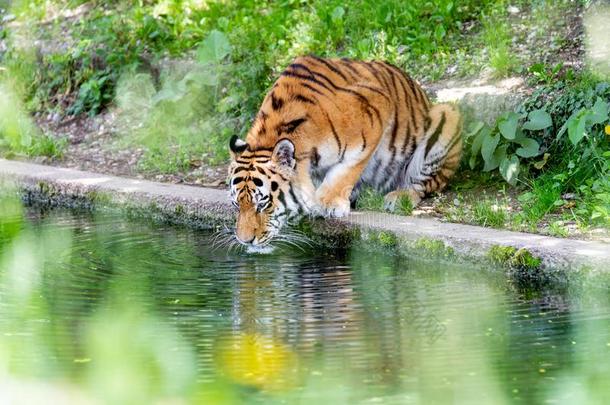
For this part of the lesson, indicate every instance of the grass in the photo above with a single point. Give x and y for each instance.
(486, 213)
(371, 200)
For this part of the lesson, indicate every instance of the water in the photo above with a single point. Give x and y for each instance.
(101, 308)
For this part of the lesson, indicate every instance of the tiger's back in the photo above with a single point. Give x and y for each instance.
(351, 123)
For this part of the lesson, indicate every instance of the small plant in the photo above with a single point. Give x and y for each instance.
(543, 74)
(404, 206)
(487, 214)
(504, 145)
(558, 229)
(387, 239)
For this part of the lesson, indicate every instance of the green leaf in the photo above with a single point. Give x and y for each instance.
(599, 112)
(490, 142)
(529, 148)
(214, 48)
(497, 157)
(537, 120)
(508, 125)
(509, 169)
(472, 162)
(474, 128)
(526, 197)
(576, 128)
(475, 148)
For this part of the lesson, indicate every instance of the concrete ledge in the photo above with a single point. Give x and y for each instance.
(208, 208)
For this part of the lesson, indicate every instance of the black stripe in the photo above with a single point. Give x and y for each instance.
(260, 159)
(330, 66)
(262, 149)
(259, 155)
(290, 127)
(303, 99)
(392, 75)
(297, 66)
(375, 89)
(348, 64)
(282, 198)
(372, 71)
(427, 123)
(343, 154)
(361, 97)
(376, 172)
(437, 132)
(420, 93)
(315, 157)
(366, 102)
(442, 177)
(393, 137)
(240, 169)
(408, 141)
(308, 78)
(332, 127)
(411, 120)
(453, 142)
(261, 130)
(310, 87)
(453, 155)
(294, 198)
(325, 78)
(363, 140)
(276, 102)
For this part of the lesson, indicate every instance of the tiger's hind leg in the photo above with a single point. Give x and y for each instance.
(434, 160)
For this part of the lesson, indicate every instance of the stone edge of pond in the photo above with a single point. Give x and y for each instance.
(208, 208)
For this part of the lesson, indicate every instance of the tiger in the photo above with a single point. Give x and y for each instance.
(329, 127)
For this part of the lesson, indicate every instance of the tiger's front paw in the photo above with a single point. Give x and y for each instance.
(335, 207)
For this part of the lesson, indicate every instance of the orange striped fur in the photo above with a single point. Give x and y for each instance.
(329, 126)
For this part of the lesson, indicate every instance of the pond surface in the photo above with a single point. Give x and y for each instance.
(112, 310)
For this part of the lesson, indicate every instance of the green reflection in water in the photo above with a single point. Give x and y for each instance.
(100, 309)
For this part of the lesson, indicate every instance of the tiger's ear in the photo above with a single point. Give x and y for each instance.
(237, 146)
(283, 154)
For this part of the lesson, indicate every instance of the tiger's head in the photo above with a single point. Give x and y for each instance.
(259, 181)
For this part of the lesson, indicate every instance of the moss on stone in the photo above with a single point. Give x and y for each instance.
(434, 246)
(387, 239)
(179, 210)
(98, 198)
(514, 258)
